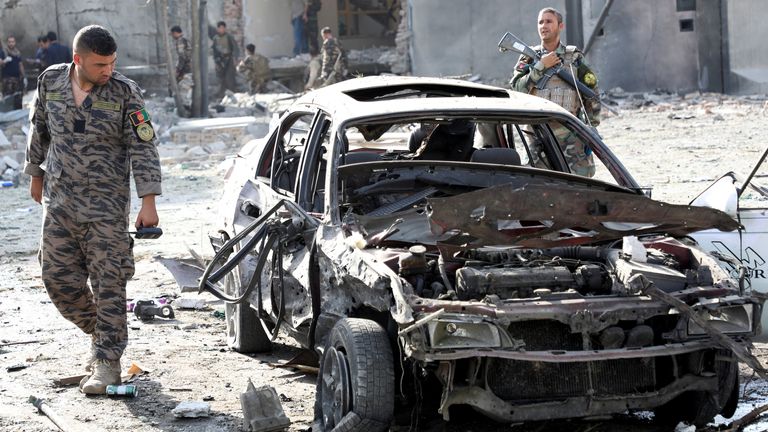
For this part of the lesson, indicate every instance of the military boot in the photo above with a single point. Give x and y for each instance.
(105, 372)
(91, 355)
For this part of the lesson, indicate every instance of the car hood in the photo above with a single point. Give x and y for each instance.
(544, 216)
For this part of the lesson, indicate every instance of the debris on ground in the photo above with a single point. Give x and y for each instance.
(262, 410)
(192, 409)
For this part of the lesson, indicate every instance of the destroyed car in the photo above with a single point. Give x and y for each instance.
(427, 239)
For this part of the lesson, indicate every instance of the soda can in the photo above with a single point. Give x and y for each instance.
(129, 390)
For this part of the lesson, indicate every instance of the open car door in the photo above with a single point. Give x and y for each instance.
(746, 201)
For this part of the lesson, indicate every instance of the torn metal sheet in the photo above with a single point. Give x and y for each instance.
(545, 213)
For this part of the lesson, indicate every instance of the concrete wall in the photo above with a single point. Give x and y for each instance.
(267, 24)
(461, 36)
(747, 34)
(642, 47)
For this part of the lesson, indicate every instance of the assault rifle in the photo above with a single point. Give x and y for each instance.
(510, 42)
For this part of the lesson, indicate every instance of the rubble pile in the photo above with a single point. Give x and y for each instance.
(13, 140)
(684, 106)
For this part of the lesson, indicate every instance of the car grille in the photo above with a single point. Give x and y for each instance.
(546, 335)
(514, 380)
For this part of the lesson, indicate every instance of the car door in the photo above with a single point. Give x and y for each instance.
(747, 201)
(283, 300)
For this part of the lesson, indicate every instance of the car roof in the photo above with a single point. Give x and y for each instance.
(381, 95)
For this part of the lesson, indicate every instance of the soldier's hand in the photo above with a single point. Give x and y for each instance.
(36, 189)
(147, 216)
(550, 59)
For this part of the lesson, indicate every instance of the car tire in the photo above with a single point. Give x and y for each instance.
(700, 407)
(356, 383)
(245, 333)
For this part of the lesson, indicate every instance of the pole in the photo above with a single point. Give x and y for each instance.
(196, 75)
(163, 26)
(203, 16)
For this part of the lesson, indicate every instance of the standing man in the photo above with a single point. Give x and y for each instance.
(225, 52)
(183, 64)
(313, 7)
(91, 129)
(553, 55)
(14, 82)
(334, 62)
(255, 68)
(56, 53)
(298, 22)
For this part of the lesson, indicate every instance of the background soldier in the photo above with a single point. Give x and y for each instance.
(313, 7)
(255, 68)
(56, 53)
(183, 64)
(334, 62)
(90, 127)
(14, 82)
(553, 55)
(225, 52)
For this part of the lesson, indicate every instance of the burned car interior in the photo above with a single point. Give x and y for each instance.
(430, 232)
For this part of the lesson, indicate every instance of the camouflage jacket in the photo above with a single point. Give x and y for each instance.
(183, 56)
(224, 48)
(334, 59)
(254, 66)
(88, 153)
(527, 75)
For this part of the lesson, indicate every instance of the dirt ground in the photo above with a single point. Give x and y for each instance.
(676, 145)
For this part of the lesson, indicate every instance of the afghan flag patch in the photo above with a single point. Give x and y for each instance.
(139, 117)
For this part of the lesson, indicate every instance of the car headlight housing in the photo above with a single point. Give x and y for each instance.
(454, 333)
(734, 319)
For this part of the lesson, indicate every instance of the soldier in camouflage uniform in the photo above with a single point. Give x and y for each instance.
(334, 62)
(183, 64)
(225, 52)
(89, 131)
(554, 54)
(13, 73)
(255, 68)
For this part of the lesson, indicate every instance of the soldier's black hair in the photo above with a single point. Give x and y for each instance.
(52, 36)
(221, 23)
(251, 48)
(95, 39)
(176, 29)
(43, 38)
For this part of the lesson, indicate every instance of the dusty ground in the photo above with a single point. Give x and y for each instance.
(188, 357)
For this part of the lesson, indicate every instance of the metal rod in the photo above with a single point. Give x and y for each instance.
(752, 174)
(40, 404)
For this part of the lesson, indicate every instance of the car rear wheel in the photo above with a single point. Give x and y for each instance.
(356, 384)
(245, 333)
(700, 407)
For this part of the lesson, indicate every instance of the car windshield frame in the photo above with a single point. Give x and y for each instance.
(340, 145)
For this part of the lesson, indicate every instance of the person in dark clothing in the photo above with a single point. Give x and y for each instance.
(14, 82)
(57, 53)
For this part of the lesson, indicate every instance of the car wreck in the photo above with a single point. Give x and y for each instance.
(430, 234)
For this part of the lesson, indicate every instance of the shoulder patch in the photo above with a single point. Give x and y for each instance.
(139, 117)
(145, 132)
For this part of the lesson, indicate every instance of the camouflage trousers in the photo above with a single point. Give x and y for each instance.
(12, 87)
(71, 254)
(577, 153)
(257, 84)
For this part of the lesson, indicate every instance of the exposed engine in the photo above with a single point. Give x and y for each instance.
(509, 273)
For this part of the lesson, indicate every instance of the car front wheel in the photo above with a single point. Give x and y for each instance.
(245, 333)
(356, 384)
